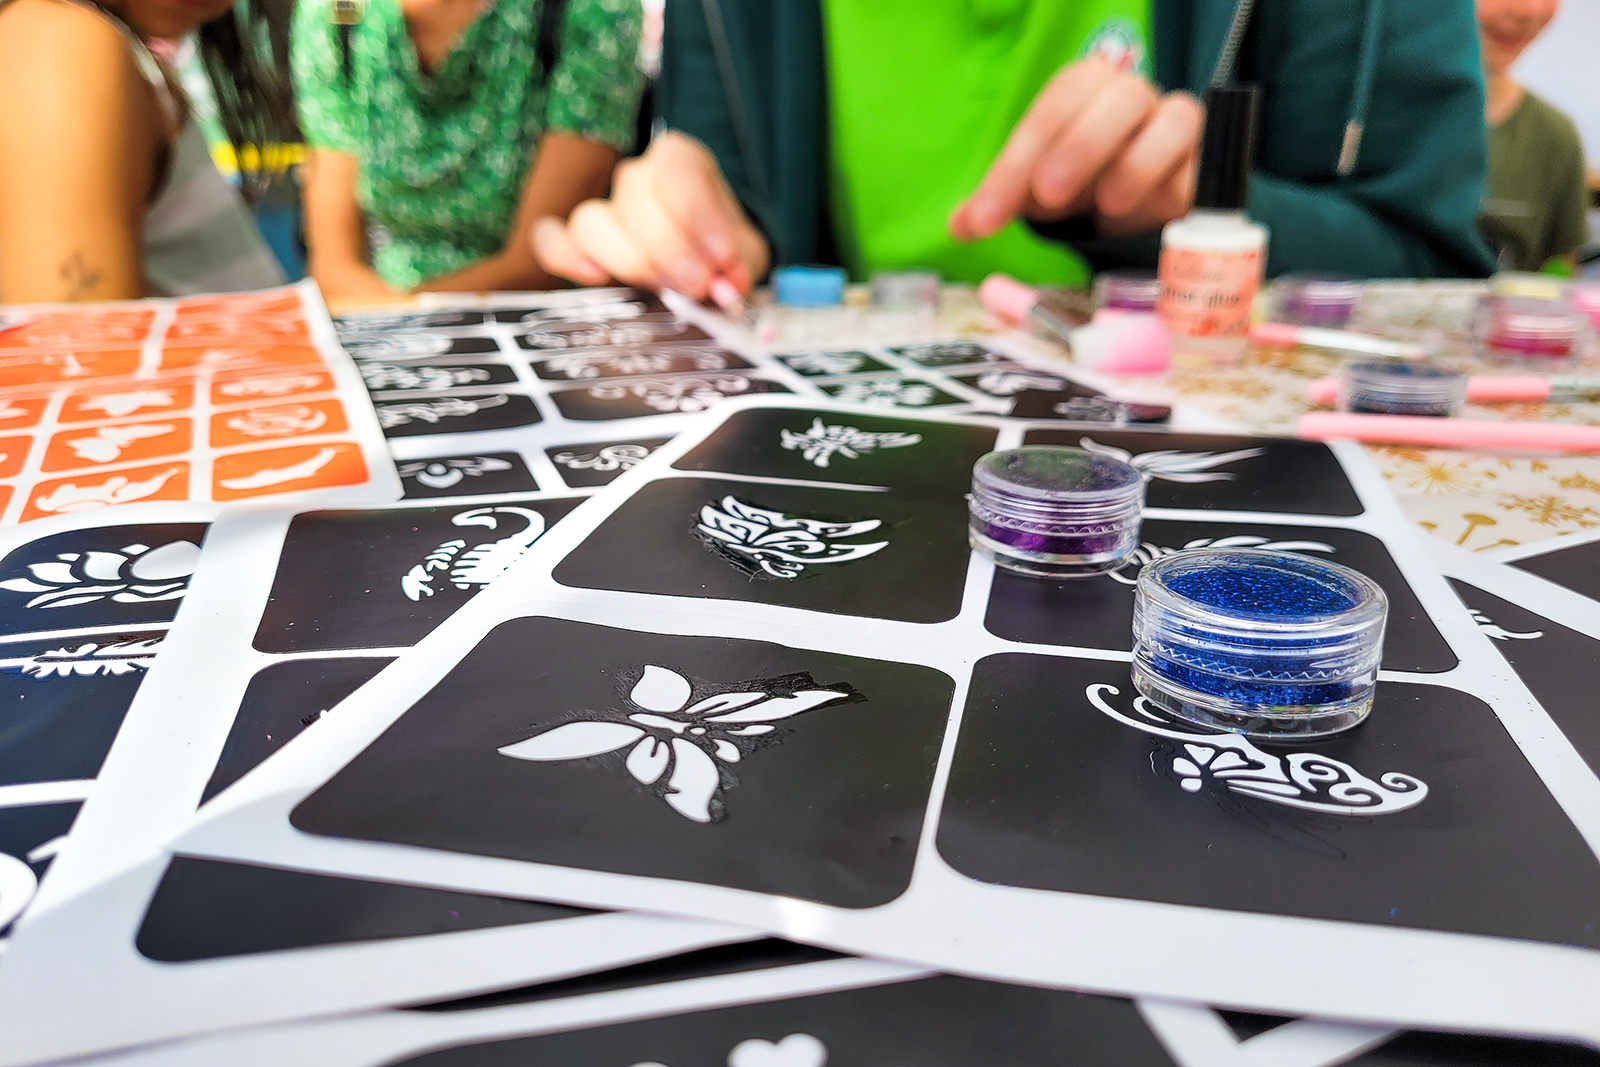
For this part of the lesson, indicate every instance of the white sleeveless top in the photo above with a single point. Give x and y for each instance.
(199, 237)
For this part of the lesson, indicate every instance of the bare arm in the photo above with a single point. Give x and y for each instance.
(567, 171)
(336, 239)
(77, 159)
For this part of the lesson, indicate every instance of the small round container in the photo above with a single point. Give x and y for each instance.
(1527, 283)
(1531, 332)
(808, 287)
(1315, 299)
(1127, 290)
(1055, 512)
(1586, 298)
(1400, 387)
(1268, 644)
(907, 290)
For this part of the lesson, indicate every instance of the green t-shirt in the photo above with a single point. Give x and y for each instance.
(922, 96)
(1537, 205)
(443, 158)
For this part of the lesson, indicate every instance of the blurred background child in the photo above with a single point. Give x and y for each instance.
(107, 190)
(1537, 204)
(439, 130)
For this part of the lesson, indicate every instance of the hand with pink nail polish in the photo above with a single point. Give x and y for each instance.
(1098, 141)
(671, 222)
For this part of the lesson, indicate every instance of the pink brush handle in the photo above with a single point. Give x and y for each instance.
(1450, 433)
(1325, 391)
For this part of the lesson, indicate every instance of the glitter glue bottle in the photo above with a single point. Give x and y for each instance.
(1212, 259)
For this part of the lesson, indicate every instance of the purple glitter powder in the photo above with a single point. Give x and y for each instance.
(1055, 512)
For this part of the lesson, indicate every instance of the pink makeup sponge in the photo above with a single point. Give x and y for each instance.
(1129, 344)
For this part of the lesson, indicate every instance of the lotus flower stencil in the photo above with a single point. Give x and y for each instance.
(770, 544)
(679, 749)
(133, 574)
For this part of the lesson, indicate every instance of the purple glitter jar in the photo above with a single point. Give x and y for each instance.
(1327, 300)
(1055, 512)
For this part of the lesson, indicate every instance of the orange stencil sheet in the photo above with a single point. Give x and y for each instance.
(215, 398)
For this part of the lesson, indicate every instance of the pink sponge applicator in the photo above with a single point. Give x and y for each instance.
(1129, 344)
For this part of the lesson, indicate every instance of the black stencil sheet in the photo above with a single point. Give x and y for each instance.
(1576, 568)
(1474, 861)
(264, 943)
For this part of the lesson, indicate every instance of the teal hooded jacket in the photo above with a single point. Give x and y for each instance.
(1370, 153)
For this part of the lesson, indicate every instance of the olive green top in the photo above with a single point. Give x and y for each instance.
(1537, 203)
(443, 157)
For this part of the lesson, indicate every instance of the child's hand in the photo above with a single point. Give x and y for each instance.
(671, 222)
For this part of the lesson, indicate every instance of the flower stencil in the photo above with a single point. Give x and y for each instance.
(133, 574)
(770, 544)
(677, 748)
(1172, 465)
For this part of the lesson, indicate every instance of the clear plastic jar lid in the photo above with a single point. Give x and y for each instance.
(1056, 485)
(1253, 615)
(1127, 290)
(1316, 299)
(1386, 383)
(1510, 319)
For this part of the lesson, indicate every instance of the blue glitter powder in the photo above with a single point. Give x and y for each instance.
(1267, 643)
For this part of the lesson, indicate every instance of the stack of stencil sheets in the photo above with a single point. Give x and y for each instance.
(669, 720)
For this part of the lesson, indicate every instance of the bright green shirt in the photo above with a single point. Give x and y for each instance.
(443, 158)
(922, 96)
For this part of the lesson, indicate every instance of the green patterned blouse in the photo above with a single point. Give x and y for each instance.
(443, 158)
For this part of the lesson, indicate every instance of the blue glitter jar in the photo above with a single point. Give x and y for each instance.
(1268, 644)
(1055, 512)
(1398, 387)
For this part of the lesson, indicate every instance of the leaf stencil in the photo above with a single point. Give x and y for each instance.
(575, 740)
(679, 751)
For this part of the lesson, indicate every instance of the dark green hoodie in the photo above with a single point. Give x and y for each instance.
(1391, 89)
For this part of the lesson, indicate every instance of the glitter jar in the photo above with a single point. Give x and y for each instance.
(1127, 290)
(1267, 644)
(1055, 512)
(1529, 331)
(1586, 298)
(1315, 299)
(1399, 387)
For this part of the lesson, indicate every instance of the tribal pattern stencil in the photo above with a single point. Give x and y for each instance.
(770, 544)
(445, 473)
(821, 443)
(609, 458)
(678, 749)
(1306, 780)
(433, 411)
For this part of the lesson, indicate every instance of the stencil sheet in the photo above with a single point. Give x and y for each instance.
(284, 614)
(772, 1004)
(568, 390)
(762, 679)
(85, 602)
(224, 398)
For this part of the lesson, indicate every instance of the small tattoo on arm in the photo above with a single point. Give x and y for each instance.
(79, 278)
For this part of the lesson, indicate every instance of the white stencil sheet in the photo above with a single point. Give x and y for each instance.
(567, 390)
(796, 1015)
(761, 679)
(128, 943)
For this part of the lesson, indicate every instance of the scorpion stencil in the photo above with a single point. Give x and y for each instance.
(481, 564)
